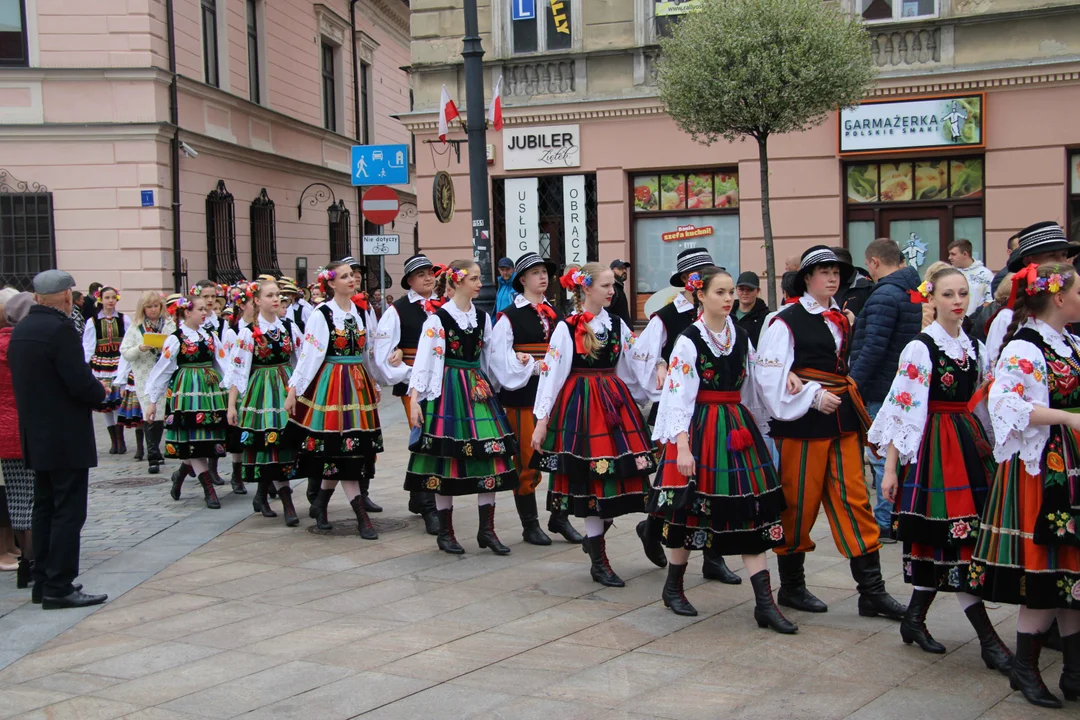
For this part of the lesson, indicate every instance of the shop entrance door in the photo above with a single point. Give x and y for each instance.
(922, 234)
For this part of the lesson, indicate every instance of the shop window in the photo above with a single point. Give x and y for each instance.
(210, 42)
(14, 49)
(890, 10)
(922, 204)
(221, 262)
(27, 234)
(263, 237)
(340, 221)
(550, 29)
(1074, 197)
(676, 211)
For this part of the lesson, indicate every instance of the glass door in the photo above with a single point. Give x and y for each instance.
(919, 233)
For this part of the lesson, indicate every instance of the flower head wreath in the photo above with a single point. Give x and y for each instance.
(457, 276)
(576, 278)
(694, 283)
(180, 302)
(1053, 284)
(101, 291)
(325, 277)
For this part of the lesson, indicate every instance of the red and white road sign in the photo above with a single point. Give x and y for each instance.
(380, 205)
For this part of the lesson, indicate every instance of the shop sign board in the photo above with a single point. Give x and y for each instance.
(548, 146)
(522, 216)
(687, 232)
(574, 230)
(939, 123)
(676, 7)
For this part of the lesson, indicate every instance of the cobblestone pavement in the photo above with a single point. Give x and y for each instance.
(264, 621)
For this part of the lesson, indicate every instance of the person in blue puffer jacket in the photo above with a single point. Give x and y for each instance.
(888, 322)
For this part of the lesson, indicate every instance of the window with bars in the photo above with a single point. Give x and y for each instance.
(254, 89)
(263, 237)
(221, 262)
(340, 246)
(210, 42)
(14, 50)
(27, 236)
(329, 88)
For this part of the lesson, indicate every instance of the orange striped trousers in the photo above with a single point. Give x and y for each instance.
(523, 422)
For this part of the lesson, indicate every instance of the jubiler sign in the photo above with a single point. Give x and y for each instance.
(927, 124)
(552, 146)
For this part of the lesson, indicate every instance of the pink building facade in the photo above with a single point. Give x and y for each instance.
(266, 112)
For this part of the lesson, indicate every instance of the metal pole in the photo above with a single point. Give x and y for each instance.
(382, 279)
(473, 53)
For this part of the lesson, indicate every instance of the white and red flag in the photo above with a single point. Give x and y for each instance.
(495, 111)
(447, 112)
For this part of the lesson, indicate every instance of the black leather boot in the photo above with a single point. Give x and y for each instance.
(121, 444)
(209, 493)
(1025, 675)
(24, 572)
(766, 614)
(713, 567)
(112, 439)
(446, 540)
(995, 653)
(178, 477)
(363, 522)
(673, 595)
(314, 483)
(322, 503)
(1070, 667)
(214, 476)
(287, 507)
(873, 598)
(153, 446)
(601, 570)
(913, 626)
(237, 479)
(140, 450)
(793, 592)
(423, 504)
(649, 531)
(485, 535)
(370, 505)
(530, 520)
(559, 523)
(260, 502)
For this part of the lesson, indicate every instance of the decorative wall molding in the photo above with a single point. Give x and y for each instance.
(331, 25)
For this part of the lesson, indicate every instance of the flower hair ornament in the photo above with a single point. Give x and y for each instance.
(921, 294)
(181, 302)
(1052, 284)
(694, 283)
(324, 278)
(575, 278)
(457, 276)
(101, 291)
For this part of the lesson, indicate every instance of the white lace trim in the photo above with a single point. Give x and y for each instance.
(1053, 338)
(906, 437)
(953, 347)
(670, 422)
(466, 320)
(1014, 434)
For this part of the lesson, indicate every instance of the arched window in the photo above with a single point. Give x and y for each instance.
(263, 237)
(222, 265)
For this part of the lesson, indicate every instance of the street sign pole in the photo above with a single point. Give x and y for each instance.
(382, 279)
(473, 53)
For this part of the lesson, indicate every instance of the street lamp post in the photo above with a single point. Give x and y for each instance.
(473, 53)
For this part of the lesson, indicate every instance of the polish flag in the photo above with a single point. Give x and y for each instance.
(495, 111)
(447, 112)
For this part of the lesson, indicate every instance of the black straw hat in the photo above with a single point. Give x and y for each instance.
(525, 263)
(1042, 237)
(820, 255)
(416, 262)
(690, 260)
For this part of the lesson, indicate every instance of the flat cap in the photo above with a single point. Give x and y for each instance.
(50, 282)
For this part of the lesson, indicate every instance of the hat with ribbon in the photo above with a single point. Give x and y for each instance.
(413, 264)
(688, 261)
(525, 263)
(1042, 237)
(820, 255)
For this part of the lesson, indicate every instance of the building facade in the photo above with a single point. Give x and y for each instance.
(123, 172)
(997, 83)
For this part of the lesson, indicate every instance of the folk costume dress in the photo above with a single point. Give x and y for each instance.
(102, 336)
(733, 503)
(188, 374)
(466, 445)
(597, 446)
(1028, 549)
(129, 414)
(336, 420)
(947, 461)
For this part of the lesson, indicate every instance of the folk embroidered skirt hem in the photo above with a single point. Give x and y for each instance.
(129, 414)
(195, 416)
(1009, 565)
(466, 445)
(104, 368)
(261, 423)
(335, 425)
(733, 505)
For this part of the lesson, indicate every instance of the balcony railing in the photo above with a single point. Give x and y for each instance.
(903, 48)
(540, 77)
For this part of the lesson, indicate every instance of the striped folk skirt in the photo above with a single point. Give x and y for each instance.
(195, 414)
(261, 423)
(466, 445)
(129, 414)
(104, 365)
(733, 504)
(335, 425)
(597, 448)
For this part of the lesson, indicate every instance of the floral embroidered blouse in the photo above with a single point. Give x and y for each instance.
(691, 370)
(436, 341)
(199, 345)
(556, 365)
(317, 341)
(959, 371)
(275, 346)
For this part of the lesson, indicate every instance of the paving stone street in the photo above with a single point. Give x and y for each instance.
(221, 614)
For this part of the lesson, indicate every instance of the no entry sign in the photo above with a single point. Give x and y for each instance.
(380, 205)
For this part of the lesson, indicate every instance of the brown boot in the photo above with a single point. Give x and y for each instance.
(209, 494)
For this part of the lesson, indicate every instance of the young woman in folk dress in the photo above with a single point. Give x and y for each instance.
(590, 434)
(237, 315)
(926, 426)
(188, 374)
(102, 336)
(1028, 550)
(334, 395)
(716, 489)
(462, 442)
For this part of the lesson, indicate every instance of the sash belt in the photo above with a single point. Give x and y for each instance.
(719, 397)
(839, 385)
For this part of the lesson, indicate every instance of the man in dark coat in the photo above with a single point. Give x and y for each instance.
(55, 393)
(888, 322)
(751, 311)
(852, 295)
(620, 305)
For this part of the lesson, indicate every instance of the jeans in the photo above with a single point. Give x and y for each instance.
(882, 507)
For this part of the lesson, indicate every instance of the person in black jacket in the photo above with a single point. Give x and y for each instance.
(752, 310)
(854, 294)
(54, 394)
(620, 305)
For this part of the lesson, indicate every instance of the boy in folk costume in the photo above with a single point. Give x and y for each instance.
(396, 339)
(819, 424)
(519, 343)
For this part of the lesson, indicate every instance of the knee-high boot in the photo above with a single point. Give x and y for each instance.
(793, 592)
(260, 503)
(139, 448)
(121, 445)
(153, 446)
(112, 439)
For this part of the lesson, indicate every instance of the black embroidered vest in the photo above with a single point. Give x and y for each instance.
(607, 357)
(412, 317)
(528, 330)
(675, 323)
(463, 345)
(349, 341)
(951, 380)
(725, 373)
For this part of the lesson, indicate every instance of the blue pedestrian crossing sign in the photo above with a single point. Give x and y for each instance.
(380, 164)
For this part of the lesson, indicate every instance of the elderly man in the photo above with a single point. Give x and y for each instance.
(54, 394)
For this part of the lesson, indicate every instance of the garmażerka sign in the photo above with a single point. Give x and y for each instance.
(925, 124)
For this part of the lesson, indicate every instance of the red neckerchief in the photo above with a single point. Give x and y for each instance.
(360, 300)
(580, 324)
(434, 304)
(545, 310)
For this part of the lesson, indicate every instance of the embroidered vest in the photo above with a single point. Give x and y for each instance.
(464, 345)
(194, 352)
(528, 330)
(725, 373)
(675, 323)
(349, 341)
(951, 380)
(607, 356)
(412, 317)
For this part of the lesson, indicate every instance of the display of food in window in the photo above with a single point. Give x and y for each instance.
(966, 178)
(862, 183)
(673, 192)
(931, 179)
(646, 192)
(896, 182)
(699, 191)
(727, 190)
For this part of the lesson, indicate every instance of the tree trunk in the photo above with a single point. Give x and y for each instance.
(766, 222)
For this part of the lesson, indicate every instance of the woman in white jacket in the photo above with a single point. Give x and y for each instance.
(150, 317)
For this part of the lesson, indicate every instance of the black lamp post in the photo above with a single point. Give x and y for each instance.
(473, 53)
